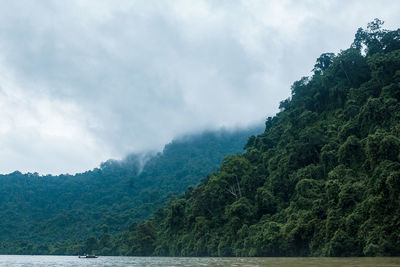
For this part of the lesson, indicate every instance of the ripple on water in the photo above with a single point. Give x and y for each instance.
(56, 261)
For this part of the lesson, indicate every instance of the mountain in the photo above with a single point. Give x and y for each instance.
(323, 179)
(40, 212)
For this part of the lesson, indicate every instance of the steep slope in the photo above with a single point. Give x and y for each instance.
(40, 211)
(323, 178)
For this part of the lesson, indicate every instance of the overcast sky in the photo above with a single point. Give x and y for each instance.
(85, 81)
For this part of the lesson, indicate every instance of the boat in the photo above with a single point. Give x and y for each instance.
(87, 256)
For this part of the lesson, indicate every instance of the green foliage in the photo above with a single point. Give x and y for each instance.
(322, 180)
(54, 212)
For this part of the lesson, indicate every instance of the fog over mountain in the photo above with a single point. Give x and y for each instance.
(85, 81)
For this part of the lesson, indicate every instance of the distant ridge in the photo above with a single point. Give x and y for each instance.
(40, 212)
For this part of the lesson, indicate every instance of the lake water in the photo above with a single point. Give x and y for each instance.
(55, 261)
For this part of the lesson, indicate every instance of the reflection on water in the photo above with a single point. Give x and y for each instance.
(55, 261)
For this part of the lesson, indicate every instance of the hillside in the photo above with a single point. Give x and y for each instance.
(322, 180)
(39, 212)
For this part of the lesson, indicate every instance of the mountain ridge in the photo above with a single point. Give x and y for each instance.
(45, 209)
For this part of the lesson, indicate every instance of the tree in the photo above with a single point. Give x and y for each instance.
(323, 63)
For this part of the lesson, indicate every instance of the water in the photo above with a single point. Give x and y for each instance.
(55, 261)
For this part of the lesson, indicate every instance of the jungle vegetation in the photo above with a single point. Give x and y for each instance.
(45, 214)
(323, 179)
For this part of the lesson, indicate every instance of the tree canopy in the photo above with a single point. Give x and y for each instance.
(48, 214)
(323, 179)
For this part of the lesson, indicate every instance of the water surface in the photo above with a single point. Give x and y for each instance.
(55, 261)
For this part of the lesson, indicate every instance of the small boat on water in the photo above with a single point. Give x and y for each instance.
(87, 256)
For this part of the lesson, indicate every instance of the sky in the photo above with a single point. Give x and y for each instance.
(83, 81)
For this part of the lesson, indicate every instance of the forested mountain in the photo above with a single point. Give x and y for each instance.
(41, 212)
(322, 179)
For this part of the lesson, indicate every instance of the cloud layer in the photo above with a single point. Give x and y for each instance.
(84, 81)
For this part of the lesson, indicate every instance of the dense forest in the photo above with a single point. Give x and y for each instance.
(46, 214)
(323, 179)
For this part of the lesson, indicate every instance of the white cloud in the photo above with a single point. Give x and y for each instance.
(87, 80)
(39, 133)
